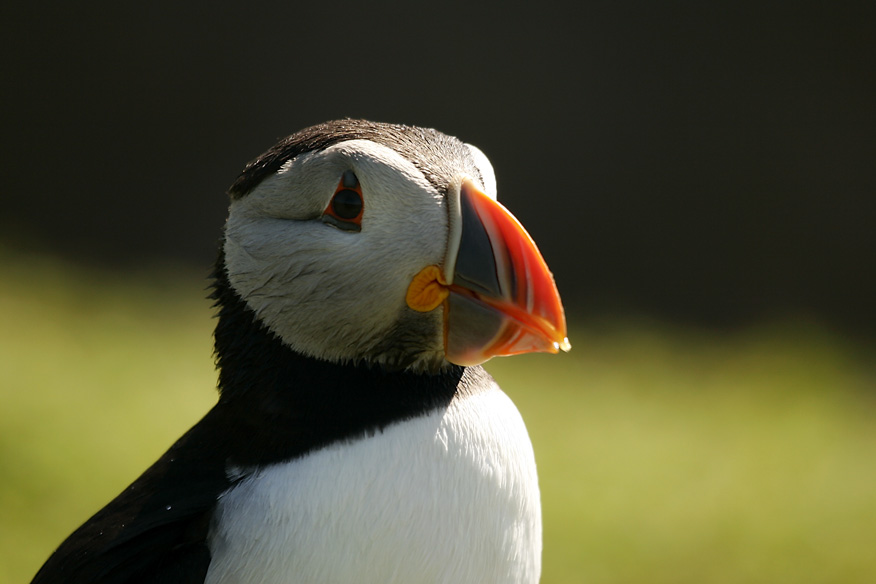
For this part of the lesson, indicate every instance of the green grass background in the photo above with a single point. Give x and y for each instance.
(666, 455)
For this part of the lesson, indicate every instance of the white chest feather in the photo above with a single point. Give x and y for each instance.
(451, 497)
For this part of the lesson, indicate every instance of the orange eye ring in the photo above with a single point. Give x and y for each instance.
(347, 206)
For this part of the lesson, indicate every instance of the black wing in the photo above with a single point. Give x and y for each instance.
(156, 529)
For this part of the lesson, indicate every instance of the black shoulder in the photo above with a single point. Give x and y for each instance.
(156, 529)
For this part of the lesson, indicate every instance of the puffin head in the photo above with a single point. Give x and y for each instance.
(355, 241)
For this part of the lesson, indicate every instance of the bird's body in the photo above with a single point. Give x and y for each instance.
(456, 500)
(347, 444)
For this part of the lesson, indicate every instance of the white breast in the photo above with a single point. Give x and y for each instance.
(451, 497)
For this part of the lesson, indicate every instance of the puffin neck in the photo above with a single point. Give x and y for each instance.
(298, 403)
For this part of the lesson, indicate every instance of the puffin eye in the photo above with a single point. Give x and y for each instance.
(347, 204)
(344, 211)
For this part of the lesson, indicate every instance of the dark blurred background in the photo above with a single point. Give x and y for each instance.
(702, 162)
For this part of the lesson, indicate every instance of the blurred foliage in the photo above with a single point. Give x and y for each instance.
(665, 454)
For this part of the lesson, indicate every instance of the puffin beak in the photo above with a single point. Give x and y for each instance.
(499, 296)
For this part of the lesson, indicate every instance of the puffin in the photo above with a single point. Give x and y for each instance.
(366, 271)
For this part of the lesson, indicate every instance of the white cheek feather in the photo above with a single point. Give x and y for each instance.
(486, 170)
(330, 293)
(450, 497)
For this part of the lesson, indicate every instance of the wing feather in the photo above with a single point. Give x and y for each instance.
(156, 529)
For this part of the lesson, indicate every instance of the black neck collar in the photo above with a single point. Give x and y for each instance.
(289, 404)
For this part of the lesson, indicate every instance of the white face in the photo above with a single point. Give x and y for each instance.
(335, 294)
